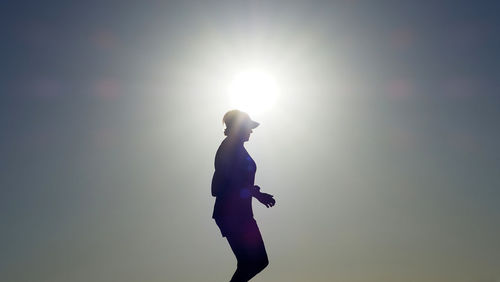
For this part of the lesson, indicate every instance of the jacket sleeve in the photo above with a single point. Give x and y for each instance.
(218, 184)
(221, 180)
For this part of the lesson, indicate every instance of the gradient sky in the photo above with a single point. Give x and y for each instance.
(382, 149)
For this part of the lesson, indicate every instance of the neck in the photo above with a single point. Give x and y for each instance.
(235, 140)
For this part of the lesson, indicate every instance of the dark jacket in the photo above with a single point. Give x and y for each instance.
(233, 181)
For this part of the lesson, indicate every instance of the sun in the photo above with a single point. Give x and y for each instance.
(253, 91)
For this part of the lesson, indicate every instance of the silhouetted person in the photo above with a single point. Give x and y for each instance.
(233, 186)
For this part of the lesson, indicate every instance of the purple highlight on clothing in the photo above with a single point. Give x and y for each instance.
(244, 193)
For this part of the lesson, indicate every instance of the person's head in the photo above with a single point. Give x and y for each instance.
(238, 125)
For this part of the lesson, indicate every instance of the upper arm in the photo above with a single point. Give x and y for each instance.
(217, 184)
(222, 176)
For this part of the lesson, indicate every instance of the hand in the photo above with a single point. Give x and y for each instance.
(266, 199)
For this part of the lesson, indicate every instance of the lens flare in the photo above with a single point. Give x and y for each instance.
(253, 91)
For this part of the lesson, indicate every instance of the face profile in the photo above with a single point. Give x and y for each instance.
(246, 135)
(239, 125)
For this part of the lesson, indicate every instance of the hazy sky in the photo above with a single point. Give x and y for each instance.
(382, 149)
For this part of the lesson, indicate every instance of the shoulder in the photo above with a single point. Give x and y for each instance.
(225, 153)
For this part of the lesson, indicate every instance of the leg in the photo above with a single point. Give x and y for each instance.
(249, 249)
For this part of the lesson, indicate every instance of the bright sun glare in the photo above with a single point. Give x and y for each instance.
(253, 91)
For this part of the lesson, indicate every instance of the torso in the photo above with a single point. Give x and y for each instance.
(236, 166)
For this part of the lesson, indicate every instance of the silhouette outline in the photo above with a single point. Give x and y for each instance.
(233, 187)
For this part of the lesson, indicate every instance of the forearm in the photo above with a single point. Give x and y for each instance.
(254, 190)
